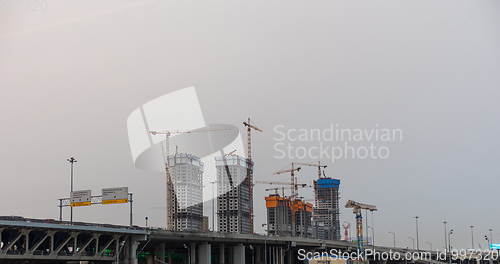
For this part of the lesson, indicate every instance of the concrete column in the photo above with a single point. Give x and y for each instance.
(239, 254)
(205, 253)
(222, 254)
(134, 244)
(169, 253)
(160, 251)
(258, 255)
(282, 256)
(192, 253)
(289, 256)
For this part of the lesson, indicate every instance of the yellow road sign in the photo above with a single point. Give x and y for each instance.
(76, 204)
(117, 201)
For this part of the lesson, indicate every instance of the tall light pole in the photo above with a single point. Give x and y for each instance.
(472, 235)
(72, 161)
(449, 243)
(416, 224)
(265, 242)
(393, 238)
(445, 235)
(488, 241)
(491, 236)
(430, 245)
(413, 241)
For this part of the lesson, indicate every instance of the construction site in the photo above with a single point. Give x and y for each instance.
(288, 213)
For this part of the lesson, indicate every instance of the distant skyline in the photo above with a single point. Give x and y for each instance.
(72, 71)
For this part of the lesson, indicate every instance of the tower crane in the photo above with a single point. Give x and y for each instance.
(171, 196)
(318, 165)
(248, 124)
(293, 179)
(250, 127)
(356, 209)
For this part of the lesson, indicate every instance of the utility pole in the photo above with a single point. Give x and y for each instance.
(393, 238)
(445, 234)
(472, 235)
(72, 161)
(416, 224)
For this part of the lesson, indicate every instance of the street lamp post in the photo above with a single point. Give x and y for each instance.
(430, 245)
(488, 241)
(265, 242)
(472, 236)
(449, 243)
(416, 224)
(72, 161)
(413, 241)
(445, 234)
(393, 238)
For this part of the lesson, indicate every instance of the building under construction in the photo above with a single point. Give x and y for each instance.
(279, 215)
(301, 216)
(234, 195)
(326, 211)
(184, 193)
(286, 217)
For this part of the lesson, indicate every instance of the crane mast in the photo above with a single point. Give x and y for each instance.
(356, 209)
(249, 178)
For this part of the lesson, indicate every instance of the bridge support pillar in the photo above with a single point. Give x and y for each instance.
(239, 254)
(205, 253)
(258, 255)
(160, 251)
(289, 256)
(192, 253)
(222, 254)
(134, 244)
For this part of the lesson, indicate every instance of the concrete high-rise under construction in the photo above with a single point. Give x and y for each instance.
(326, 211)
(288, 217)
(279, 215)
(184, 193)
(234, 197)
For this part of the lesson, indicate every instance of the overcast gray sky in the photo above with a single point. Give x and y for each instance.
(72, 71)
